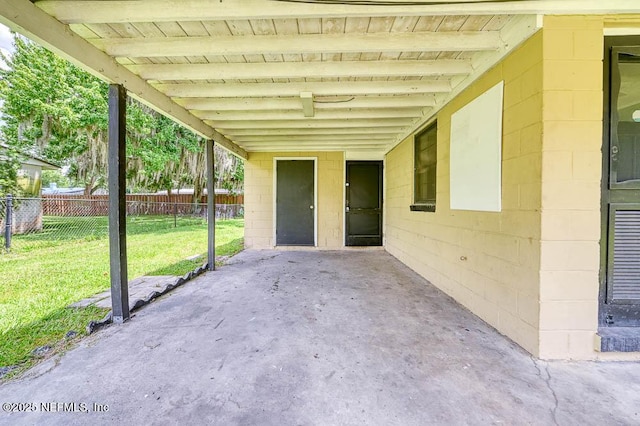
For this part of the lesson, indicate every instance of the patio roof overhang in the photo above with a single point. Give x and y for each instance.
(259, 75)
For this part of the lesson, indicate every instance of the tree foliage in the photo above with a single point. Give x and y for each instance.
(9, 165)
(57, 111)
(56, 177)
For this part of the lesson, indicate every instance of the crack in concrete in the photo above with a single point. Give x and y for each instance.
(289, 407)
(54, 360)
(535, 364)
(553, 392)
(231, 400)
(218, 325)
(547, 381)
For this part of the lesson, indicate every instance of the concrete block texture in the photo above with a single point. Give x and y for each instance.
(540, 254)
(489, 262)
(571, 175)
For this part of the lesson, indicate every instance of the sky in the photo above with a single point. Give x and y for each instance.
(6, 40)
(6, 46)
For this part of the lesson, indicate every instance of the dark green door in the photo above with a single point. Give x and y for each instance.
(620, 291)
(364, 203)
(295, 203)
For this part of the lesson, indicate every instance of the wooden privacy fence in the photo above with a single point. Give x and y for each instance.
(98, 205)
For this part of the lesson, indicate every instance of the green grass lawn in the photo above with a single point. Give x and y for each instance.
(42, 276)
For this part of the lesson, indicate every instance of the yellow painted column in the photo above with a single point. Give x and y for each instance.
(571, 176)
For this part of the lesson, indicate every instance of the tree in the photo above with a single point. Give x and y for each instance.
(56, 111)
(55, 176)
(9, 165)
(229, 171)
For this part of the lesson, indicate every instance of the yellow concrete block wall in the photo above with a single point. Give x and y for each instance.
(571, 176)
(489, 262)
(259, 192)
(532, 270)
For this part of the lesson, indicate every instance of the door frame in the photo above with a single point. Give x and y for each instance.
(604, 307)
(382, 183)
(375, 157)
(315, 196)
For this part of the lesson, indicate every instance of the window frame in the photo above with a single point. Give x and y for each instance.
(424, 204)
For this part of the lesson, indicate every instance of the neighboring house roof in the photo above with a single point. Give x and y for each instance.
(32, 160)
(54, 190)
(62, 191)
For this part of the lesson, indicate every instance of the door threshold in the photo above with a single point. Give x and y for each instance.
(363, 248)
(294, 248)
(619, 339)
(343, 248)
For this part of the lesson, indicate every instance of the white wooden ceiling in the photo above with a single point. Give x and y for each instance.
(286, 76)
(370, 79)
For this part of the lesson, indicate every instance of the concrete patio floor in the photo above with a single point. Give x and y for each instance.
(317, 338)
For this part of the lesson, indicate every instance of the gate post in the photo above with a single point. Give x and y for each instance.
(175, 214)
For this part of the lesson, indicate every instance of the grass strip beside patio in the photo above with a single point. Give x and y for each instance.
(38, 284)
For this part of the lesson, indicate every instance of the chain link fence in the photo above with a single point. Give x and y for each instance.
(3, 228)
(29, 223)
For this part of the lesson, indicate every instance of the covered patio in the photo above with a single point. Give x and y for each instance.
(332, 337)
(495, 111)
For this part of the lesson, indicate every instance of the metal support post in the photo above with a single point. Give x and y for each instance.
(118, 203)
(211, 207)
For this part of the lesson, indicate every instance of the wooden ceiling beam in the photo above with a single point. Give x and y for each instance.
(317, 147)
(243, 71)
(310, 123)
(327, 137)
(297, 114)
(337, 131)
(301, 142)
(329, 103)
(295, 146)
(148, 47)
(347, 88)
